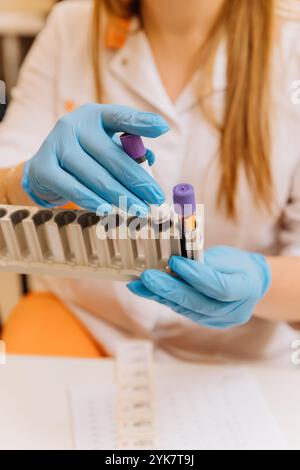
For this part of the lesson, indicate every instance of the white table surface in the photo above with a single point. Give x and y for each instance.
(34, 407)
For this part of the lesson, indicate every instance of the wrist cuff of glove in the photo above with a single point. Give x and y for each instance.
(266, 271)
(26, 187)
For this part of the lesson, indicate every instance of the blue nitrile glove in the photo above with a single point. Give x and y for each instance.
(80, 161)
(220, 293)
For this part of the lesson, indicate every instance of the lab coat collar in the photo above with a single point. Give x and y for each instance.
(135, 66)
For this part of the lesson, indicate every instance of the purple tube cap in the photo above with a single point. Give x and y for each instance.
(133, 145)
(184, 199)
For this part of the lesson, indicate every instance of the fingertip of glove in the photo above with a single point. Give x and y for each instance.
(150, 276)
(133, 286)
(150, 157)
(137, 287)
(176, 262)
(173, 260)
(156, 123)
(158, 197)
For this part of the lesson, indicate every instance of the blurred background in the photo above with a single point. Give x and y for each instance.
(20, 22)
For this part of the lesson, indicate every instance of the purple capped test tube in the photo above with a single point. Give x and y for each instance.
(134, 146)
(185, 205)
(184, 199)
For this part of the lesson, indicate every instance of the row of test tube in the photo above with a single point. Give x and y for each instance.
(81, 243)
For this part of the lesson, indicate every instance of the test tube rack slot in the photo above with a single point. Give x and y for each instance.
(78, 243)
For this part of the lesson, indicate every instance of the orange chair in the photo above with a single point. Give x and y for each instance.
(42, 325)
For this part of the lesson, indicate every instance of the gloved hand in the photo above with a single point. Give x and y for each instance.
(220, 293)
(81, 162)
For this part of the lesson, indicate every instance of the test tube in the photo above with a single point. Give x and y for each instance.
(135, 149)
(185, 206)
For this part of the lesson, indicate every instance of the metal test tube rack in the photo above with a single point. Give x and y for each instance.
(79, 243)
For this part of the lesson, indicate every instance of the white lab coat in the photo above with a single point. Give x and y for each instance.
(58, 70)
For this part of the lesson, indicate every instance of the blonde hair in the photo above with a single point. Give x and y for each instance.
(245, 143)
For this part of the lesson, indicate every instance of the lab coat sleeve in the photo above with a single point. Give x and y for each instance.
(290, 227)
(31, 113)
